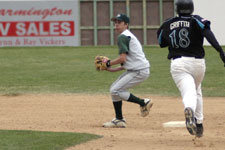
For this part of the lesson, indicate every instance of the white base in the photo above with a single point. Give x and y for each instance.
(174, 124)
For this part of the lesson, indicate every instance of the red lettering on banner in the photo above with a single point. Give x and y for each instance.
(37, 28)
(44, 13)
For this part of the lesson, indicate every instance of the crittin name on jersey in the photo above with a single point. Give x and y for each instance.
(178, 24)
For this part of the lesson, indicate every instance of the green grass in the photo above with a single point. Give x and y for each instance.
(37, 140)
(71, 70)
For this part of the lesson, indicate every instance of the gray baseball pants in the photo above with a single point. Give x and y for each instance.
(128, 79)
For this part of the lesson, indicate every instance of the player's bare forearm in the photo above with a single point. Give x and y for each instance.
(115, 69)
(119, 60)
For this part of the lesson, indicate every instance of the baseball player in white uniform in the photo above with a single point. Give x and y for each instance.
(183, 35)
(132, 59)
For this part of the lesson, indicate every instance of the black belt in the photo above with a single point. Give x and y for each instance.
(196, 57)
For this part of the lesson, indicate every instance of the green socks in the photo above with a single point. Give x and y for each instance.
(136, 100)
(118, 109)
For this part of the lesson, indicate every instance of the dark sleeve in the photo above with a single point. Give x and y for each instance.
(123, 44)
(202, 23)
(208, 34)
(162, 42)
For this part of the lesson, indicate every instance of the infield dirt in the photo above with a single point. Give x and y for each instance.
(87, 113)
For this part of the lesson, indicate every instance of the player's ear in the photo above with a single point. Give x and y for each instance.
(127, 25)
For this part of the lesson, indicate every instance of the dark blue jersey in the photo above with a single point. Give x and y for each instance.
(183, 35)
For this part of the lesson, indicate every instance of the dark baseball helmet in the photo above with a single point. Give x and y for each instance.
(184, 7)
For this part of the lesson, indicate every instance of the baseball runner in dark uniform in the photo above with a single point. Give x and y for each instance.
(184, 35)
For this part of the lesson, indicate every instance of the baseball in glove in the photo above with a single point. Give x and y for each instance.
(102, 63)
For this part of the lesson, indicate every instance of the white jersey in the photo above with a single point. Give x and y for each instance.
(136, 59)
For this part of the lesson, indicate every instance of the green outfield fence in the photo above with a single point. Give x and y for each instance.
(145, 15)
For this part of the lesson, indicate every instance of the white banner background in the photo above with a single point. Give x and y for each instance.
(213, 10)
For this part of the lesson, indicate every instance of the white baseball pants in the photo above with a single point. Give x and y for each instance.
(188, 74)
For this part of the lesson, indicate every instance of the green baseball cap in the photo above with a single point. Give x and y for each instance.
(121, 17)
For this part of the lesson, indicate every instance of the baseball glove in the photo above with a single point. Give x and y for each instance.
(101, 63)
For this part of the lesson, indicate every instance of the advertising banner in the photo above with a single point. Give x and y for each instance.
(39, 23)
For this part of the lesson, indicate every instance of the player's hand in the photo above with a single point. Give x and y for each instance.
(222, 56)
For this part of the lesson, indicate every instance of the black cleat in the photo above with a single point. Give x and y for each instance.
(190, 121)
(200, 130)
